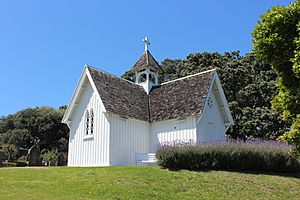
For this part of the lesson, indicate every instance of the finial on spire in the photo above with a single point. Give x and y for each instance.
(146, 42)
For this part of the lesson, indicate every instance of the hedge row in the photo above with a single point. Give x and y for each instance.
(236, 156)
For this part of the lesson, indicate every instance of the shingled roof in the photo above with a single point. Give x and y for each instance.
(146, 61)
(179, 98)
(120, 96)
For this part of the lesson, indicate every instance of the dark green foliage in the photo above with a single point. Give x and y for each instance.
(249, 87)
(228, 156)
(40, 125)
(9, 151)
(2, 155)
(276, 40)
(63, 108)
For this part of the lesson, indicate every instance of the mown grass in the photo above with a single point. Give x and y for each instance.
(142, 183)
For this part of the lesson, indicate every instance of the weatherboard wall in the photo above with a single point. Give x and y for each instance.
(176, 130)
(89, 150)
(210, 126)
(127, 137)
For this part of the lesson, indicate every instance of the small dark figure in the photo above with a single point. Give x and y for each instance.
(34, 155)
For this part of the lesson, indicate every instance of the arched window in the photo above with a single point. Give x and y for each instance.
(142, 78)
(92, 122)
(152, 78)
(87, 122)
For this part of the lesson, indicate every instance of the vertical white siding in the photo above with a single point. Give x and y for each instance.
(89, 151)
(127, 137)
(211, 126)
(173, 130)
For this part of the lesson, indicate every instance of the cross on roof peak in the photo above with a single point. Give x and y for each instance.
(146, 42)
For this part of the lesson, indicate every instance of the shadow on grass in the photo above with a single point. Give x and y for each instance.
(290, 175)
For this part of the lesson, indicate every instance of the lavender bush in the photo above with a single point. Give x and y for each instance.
(266, 156)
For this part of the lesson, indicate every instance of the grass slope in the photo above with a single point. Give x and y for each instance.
(141, 183)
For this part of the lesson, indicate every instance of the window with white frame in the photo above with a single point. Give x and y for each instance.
(92, 122)
(87, 122)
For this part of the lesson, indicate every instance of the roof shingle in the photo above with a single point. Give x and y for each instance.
(146, 61)
(120, 96)
(179, 98)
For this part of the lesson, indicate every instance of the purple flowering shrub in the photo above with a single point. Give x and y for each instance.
(265, 156)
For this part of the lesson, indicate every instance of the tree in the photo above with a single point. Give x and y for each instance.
(63, 107)
(50, 156)
(24, 128)
(276, 40)
(10, 151)
(249, 87)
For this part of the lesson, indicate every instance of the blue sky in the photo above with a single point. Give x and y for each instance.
(45, 44)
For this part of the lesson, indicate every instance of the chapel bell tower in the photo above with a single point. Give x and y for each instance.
(146, 69)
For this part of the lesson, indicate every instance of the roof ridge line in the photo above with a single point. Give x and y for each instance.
(210, 70)
(147, 57)
(149, 54)
(87, 65)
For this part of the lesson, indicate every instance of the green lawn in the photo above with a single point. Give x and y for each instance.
(141, 183)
